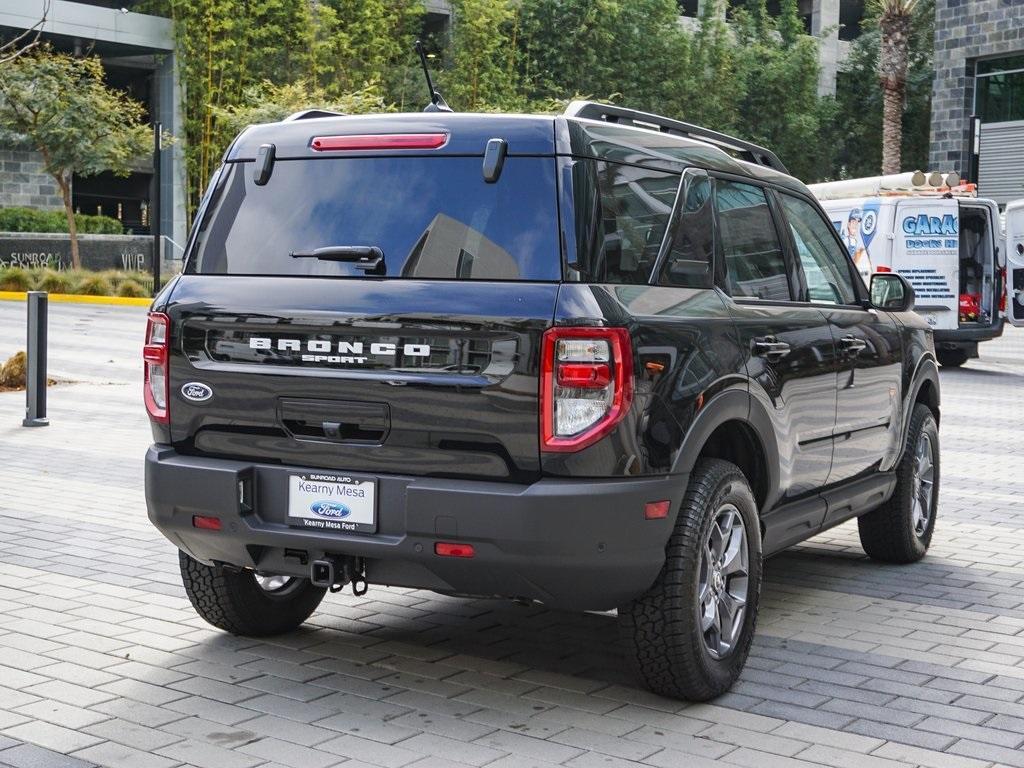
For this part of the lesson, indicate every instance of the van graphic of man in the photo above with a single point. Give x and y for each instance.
(855, 244)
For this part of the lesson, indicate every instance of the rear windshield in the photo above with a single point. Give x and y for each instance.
(433, 217)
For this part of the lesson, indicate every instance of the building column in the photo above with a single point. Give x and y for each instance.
(172, 160)
(825, 26)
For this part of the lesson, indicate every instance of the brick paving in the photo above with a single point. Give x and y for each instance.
(103, 662)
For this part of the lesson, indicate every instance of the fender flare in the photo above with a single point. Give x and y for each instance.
(733, 405)
(927, 370)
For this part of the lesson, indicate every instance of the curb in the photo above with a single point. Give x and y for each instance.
(71, 298)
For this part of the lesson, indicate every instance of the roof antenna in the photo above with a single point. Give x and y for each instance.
(437, 102)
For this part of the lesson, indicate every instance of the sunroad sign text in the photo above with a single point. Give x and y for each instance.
(323, 351)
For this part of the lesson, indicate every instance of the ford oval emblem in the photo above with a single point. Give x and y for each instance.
(329, 509)
(196, 391)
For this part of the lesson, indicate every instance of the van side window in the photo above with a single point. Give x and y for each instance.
(621, 244)
(691, 251)
(826, 267)
(754, 262)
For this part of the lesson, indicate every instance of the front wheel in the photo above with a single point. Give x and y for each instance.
(244, 603)
(901, 529)
(689, 635)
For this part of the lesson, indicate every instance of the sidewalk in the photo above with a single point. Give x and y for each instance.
(854, 664)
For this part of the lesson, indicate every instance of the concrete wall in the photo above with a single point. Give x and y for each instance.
(23, 182)
(965, 31)
(26, 249)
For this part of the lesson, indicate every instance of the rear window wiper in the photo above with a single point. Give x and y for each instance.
(368, 258)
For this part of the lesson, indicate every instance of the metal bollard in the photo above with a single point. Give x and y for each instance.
(35, 379)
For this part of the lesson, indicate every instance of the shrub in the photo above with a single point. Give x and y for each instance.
(14, 279)
(132, 289)
(95, 285)
(53, 282)
(33, 220)
(12, 373)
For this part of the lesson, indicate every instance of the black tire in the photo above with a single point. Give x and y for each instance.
(236, 603)
(661, 630)
(891, 533)
(951, 358)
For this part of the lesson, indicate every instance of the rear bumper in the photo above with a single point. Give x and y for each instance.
(580, 544)
(968, 337)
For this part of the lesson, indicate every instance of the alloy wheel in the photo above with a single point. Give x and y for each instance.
(924, 484)
(723, 582)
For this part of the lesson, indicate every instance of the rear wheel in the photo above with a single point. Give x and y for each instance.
(689, 635)
(951, 358)
(244, 603)
(900, 530)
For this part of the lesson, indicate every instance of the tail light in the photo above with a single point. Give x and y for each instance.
(883, 268)
(586, 385)
(1002, 295)
(156, 389)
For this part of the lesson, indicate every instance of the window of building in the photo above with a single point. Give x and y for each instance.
(999, 91)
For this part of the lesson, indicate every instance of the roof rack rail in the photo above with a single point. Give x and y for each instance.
(307, 114)
(612, 114)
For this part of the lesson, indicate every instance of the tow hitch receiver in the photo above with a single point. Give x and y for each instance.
(333, 573)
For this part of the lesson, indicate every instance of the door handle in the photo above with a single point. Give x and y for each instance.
(853, 344)
(771, 348)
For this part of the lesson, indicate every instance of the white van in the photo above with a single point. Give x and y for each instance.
(945, 240)
(1015, 262)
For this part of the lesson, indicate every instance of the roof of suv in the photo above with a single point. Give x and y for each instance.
(468, 134)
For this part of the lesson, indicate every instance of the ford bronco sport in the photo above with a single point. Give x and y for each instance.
(601, 360)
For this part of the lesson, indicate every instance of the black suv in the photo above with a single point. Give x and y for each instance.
(598, 360)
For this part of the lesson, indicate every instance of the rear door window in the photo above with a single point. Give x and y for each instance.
(433, 217)
(754, 260)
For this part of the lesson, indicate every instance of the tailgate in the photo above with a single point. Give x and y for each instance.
(392, 376)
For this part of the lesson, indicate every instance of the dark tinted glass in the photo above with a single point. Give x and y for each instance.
(622, 212)
(433, 217)
(1001, 97)
(754, 262)
(688, 263)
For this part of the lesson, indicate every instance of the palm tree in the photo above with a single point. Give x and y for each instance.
(894, 21)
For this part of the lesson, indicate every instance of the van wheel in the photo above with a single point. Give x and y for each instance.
(246, 604)
(689, 635)
(951, 358)
(900, 530)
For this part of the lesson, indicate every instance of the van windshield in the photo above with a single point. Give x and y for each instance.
(433, 217)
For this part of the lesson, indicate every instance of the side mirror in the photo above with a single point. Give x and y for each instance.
(891, 292)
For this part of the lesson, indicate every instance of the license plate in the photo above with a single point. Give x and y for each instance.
(332, 502)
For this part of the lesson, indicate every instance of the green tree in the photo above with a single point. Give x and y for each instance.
(895, 20)
(266, 103)
(626, 49)
(778, 73)
(481, 56)
(59, 105)
(857, 125)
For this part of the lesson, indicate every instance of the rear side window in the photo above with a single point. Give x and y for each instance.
(622, 212)
(754, 262)
(433, 217)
